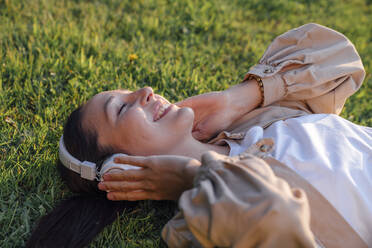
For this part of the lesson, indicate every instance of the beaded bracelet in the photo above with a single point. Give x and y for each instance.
(260, 84)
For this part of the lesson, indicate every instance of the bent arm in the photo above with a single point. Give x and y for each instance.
(240, 203)
(312, 63)
(243, 97)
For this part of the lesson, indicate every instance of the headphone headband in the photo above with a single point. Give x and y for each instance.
(86, 169)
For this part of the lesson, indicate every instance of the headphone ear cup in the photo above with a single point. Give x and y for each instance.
(99, 164)
(114, 170)
(109, 166)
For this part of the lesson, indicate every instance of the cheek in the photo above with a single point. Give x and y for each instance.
(141, 137)
(135, 133)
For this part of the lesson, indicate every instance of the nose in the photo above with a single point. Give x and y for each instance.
(146, 94)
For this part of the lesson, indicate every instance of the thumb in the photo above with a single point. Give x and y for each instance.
(184, 103)
(192, 102)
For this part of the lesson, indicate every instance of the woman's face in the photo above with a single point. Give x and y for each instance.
(137, 123)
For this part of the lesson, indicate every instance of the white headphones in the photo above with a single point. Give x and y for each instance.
(88, 170)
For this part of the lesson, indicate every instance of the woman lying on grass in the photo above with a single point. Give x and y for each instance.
(290, 99)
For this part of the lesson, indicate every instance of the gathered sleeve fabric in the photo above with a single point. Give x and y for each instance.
(239, 202)
(311, 63)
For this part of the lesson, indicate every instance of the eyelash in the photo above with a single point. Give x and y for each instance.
(121, 108)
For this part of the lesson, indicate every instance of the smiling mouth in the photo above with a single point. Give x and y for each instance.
(163, 110)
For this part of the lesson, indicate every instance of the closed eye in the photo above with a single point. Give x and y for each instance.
(121, 108)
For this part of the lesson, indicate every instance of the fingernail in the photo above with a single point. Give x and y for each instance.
(110, 196)
(101, 186)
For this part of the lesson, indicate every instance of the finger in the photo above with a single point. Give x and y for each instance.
(189, 102)
(132, 160)
(184, 103)
(137, 195)
(123, 186)
(128, 175)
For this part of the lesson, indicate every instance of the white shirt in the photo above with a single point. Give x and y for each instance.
(332, 154)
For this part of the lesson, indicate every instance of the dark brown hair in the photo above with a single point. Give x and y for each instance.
(75, 221)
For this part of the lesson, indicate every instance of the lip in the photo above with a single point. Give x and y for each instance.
(158, 104)
(156, 109)
(165, 111)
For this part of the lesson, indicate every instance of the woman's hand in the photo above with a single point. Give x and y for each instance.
(212, 113)
(215, 111)
(162, 177)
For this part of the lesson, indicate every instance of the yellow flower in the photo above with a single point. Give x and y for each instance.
(132, 57)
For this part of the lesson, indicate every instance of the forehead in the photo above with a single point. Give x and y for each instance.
(102, 97)
(107, 94)
(94, 108)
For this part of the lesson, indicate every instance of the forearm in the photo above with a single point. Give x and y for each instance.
(243, 98)
(311, 64)
(225, 207)
(189, 172)
(215, 111)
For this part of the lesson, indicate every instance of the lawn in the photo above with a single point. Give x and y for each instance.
(54, 55)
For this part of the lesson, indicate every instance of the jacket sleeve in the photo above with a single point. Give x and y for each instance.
(239, 202)
(311, 63)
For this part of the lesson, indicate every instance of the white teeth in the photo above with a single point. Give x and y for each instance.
(161, 111)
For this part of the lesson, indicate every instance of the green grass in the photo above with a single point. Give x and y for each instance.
(54, 55)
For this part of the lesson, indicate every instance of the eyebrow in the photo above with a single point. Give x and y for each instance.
(106, 105)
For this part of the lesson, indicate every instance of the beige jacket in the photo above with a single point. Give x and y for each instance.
(310, 69)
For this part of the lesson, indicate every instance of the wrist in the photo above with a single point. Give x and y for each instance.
(244, 97)
(190, 172)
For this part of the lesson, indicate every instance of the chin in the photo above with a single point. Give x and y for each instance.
(185, 118)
